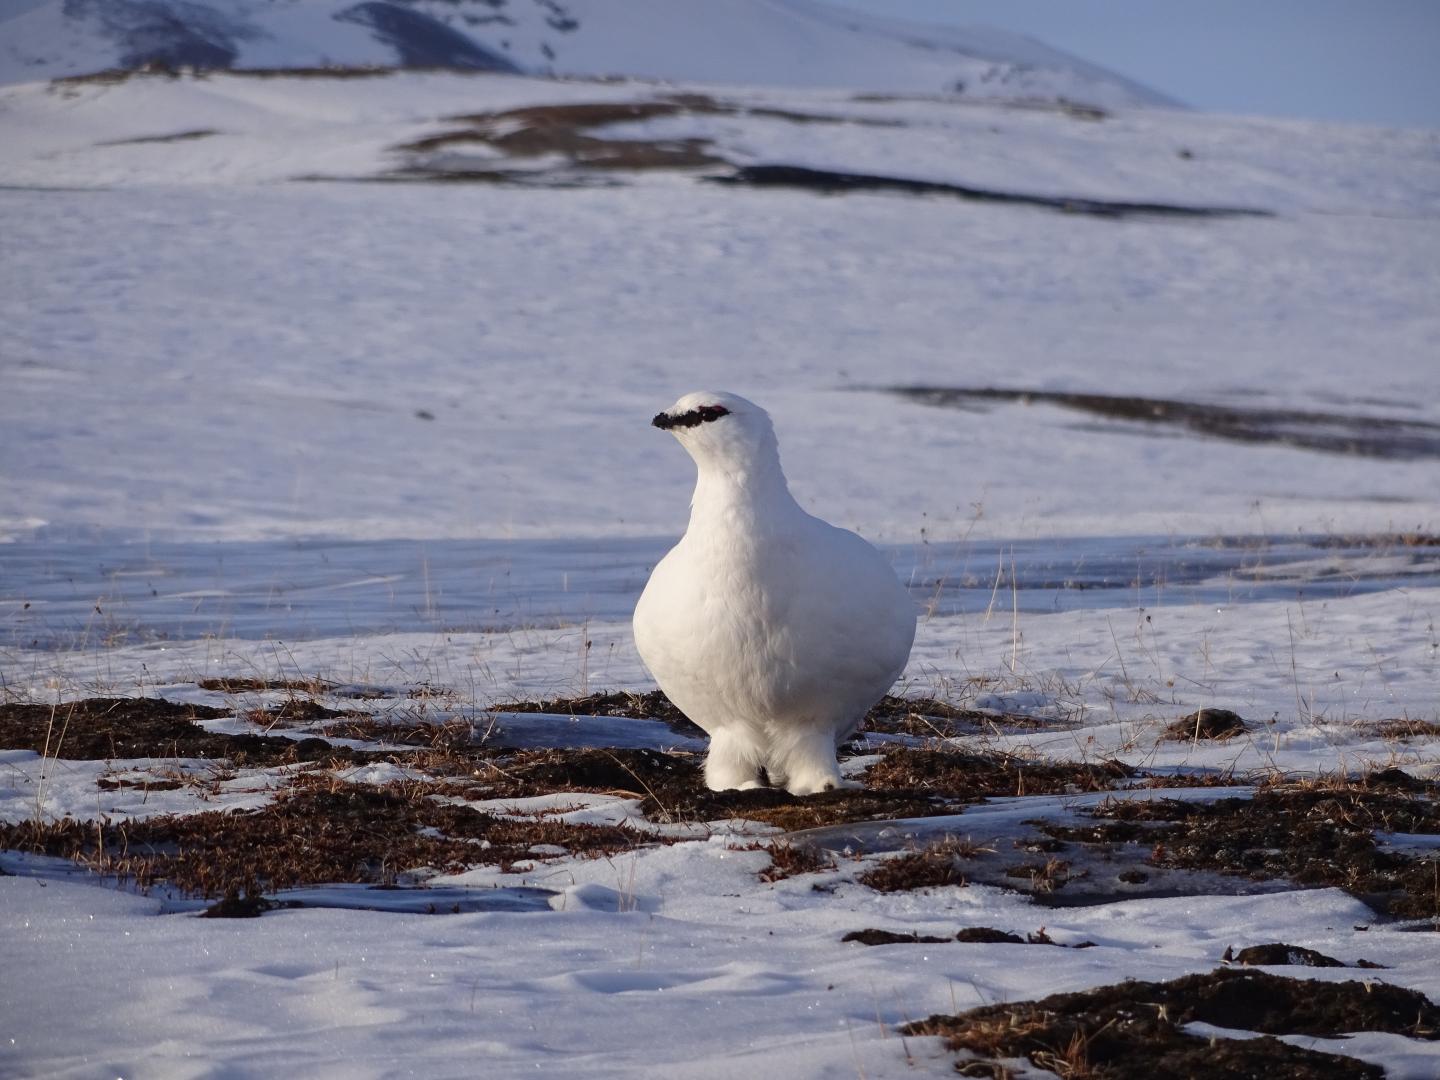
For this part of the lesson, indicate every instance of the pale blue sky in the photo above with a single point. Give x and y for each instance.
(1374, 61)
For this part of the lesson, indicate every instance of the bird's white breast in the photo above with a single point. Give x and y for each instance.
(804, 625)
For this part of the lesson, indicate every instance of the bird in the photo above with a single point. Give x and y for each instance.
(771, 629)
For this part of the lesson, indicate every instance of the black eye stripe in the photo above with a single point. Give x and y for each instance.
(695, 417)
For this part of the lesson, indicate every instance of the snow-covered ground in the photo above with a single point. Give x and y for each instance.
(235, 357)
(205, 368)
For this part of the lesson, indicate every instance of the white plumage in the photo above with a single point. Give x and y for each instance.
(771, 629)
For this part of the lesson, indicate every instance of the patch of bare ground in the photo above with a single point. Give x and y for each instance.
(954, 774)
(179, 136)
(1315, 833)
(919, 717)
(561, 130)
(452, 746)
(671, 788)
(1074, 109)
(789, 860)
(567, 131)
(934, 865)
(235, 685)
(1388, 438)
(904, 783)
(927, 718)
(1383, 541)
(1206, 724)
(648, 706)
(1134, 1031)
(1403, 728)
(295, 712)
(102, 729)
(971, 935)
(890, 937)
(837, 182)
(318, 831)
(1278, 954)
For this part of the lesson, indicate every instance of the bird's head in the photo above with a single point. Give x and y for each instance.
(720, 428)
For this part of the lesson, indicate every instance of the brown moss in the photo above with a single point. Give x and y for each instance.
(932, 866)
(106, 728)
(1206, 724)
(789, 860)
(954, 774)
(890, 937)
(238, 685)
(648, 706)
(1134, 1031)
(1314, 834)
(1278, 954)
(316, 832)
(1405, 728)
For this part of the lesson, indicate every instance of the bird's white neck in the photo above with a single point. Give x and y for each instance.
(747, 492)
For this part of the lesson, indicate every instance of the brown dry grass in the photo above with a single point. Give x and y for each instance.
(319, 830)
(1134, 1031)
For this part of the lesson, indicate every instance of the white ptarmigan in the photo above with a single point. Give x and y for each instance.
(771, 629)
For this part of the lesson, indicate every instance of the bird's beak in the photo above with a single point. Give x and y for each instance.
(662, 421)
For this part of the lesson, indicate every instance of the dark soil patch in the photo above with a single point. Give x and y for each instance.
(890, 937)
(235, 906)
(1336, 433)
(146, 783)
(1206, 724)
(457, 745)
(1133, 1031)
(179, 136)
(920, 717)
(570, 132)
(1041, 877)
(833, 182)
(247, 686)
(649, 774)
(671, 788)
(1405, 728)
(540, 130)
(1074, 109)
(927, 718)
(100, 729)
(567, 130)
(932, 866)
(296, 712)
(105, 727)
(1317, 834)
(1278, 954)
(318, 831)
(984, 935)
(652, 706)
(905, 783)
(789, 860)
(971, 935)
(953, 774)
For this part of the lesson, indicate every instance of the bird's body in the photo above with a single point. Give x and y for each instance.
(771, 629)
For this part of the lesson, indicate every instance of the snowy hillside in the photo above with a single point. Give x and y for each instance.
(762, 42)
(499, 240)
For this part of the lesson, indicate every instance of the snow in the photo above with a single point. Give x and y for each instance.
(678, 964)
(209, 426)
(304, 299)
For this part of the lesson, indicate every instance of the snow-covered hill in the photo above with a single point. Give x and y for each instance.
(759, 42)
